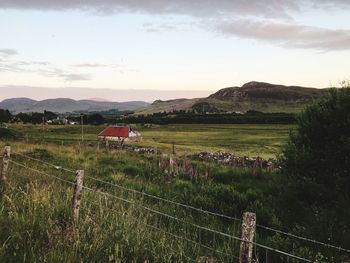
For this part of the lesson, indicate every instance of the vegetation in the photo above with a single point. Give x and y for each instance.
(202, 117)
(317, 162)
(308, 197)
(250, 140)
(5, 116)
(39, 206)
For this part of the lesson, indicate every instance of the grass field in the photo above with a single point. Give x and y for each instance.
(36, 224)
(240, 139)
(114, 226)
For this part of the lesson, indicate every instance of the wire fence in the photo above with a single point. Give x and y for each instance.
(168, 216)
(327, 245)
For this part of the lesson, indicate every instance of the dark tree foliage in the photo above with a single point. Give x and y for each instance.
(49, 115)
(24, 117)
(316, 161)
(181, 117)
(95, 119)
(5, 116)
(37, 118)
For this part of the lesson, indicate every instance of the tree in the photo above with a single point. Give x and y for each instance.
(24, 117)
(5, 116)
(49, 115)
(96, 119)
(316, 161)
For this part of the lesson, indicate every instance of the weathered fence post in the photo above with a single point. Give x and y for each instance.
(79, 176)
(248, 232)
(4, 166)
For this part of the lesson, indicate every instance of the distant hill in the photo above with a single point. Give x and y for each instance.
(168, 105)
(63, 105)
(265, 91)
(259, 96)
(16, 103)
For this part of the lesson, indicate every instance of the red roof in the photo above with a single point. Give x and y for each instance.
(115, 132)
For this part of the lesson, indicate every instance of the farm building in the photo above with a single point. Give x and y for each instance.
(119, 134)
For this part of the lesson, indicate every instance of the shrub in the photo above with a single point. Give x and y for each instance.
(316, 161)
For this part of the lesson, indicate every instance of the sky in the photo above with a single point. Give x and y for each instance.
(167, 49)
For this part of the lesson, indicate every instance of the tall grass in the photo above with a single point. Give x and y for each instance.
(36, 224)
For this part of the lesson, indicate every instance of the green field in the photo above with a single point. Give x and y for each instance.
(240, 139)
(36, 223)
(118, 224)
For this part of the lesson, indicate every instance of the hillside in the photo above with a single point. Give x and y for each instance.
(62, 105)
(167, 106)
(259, 96)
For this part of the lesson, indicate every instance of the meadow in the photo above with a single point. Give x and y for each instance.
(125, 215)
(241, 139)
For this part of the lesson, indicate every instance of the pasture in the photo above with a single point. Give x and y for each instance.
(264, 140)
(110, 229)
(133, 209)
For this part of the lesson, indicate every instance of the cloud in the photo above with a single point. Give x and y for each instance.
(11, 64)
(75, 77)
(5, 52)
(337, 4)
(97, 65)
(162, 27)
(121, 68)
(288, 35)
(266, 8)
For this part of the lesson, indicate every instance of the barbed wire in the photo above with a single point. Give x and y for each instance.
(57, 167)
(136, 191)
(191, 207)
(183, 205)
(304, 238)
(42, 173)
(169, 233)
(169, 216)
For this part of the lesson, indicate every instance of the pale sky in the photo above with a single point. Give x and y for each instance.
(184, 45)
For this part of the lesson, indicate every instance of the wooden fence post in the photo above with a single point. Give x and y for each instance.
(4, 166)
(79, 176)
(248, 232)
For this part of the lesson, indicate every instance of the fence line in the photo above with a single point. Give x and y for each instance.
(42, 173)
(172, 217)
(125, 200)
(304, 238)
(172, 234)
(136, 191)
(190, 207)
(57, 167)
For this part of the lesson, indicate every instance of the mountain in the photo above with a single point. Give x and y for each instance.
(259, 96)
(63, 105)
(265, 91)
(17, 103)
(168, 105)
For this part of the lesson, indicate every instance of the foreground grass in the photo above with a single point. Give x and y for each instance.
(36, 224)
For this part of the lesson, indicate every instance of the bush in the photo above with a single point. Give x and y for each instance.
(316, 161)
